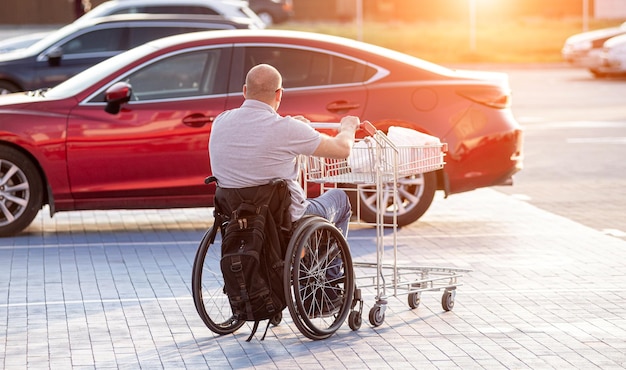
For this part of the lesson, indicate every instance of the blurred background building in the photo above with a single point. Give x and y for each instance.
(62, 11)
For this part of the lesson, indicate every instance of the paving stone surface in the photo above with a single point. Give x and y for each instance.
(112, 289)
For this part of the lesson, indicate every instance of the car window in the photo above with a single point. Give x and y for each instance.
(301, 68)
(110, 39)
(183, 75)
(172, 9)
(141, 35)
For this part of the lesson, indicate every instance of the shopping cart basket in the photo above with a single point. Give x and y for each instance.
(376, 160)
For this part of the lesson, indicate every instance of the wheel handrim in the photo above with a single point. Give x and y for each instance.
(209, 297)
(216, 302)
(298, 286)
(312, 283)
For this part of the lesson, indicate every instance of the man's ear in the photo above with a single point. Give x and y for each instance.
(244, 91)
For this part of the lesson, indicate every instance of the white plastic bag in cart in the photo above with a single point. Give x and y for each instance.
(402, 136)
(417, 152)
(361, 159)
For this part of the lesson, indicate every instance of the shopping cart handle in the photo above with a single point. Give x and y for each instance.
(365, 125)
(368, 127)
(325, 125)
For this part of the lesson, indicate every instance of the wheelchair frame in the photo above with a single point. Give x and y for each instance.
(315, 242)
(318, 302)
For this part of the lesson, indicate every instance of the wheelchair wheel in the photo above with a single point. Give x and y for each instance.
(319, 278)
(207, 287)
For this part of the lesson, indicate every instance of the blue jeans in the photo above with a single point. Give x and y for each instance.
(334, 206)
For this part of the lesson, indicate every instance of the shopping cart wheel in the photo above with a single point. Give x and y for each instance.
(377, 315)
(208, 287)
(447, 300)
(414, 299)
(355, 320)
(356, 316)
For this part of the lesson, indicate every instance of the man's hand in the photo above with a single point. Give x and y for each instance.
(301, 119)
(349, 124)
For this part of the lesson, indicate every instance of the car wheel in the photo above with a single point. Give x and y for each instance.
(266, 18)
(21, 191)
(7, 88)
(414, 196)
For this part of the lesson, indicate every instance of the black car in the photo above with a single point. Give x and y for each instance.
(272, 11)
(78, 46)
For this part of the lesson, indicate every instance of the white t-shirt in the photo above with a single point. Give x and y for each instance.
(252, 145)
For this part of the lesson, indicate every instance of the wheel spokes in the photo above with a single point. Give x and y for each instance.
(408, 192)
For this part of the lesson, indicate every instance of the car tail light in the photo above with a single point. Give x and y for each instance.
(489, 96)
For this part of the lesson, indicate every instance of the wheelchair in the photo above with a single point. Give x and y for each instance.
(319, 281)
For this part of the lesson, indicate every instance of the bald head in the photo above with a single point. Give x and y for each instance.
(262, 83)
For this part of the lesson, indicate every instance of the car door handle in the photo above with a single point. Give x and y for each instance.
(342, 106)
(197, 120)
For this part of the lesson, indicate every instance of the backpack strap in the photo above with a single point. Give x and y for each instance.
(267, 327)
(254, 329)
(235, 266)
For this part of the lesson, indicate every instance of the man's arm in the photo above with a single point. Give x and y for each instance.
(338, 146)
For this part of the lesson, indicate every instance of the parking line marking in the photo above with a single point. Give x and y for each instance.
(351, 237)
(577, 124)
(597, 140)
(614, 232)
(103, 245)
(90, 301)
(467, 289)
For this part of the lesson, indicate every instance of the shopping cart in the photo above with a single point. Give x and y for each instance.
(376, 161)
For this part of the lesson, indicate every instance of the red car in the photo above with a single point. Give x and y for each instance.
(81, 146)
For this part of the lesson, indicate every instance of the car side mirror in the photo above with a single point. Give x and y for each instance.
(54, 56)
(117, 95)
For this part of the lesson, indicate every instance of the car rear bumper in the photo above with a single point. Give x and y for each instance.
(589, 59)
(493, 161)
(612, 65)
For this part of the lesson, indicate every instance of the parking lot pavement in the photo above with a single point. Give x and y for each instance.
(112, 290)
(12, 30)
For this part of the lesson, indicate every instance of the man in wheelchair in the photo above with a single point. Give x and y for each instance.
(252, 145)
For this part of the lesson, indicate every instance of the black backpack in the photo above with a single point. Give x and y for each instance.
(253, 249)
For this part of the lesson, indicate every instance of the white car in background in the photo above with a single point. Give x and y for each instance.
(272, 11)
(613, 57)
(22, 41)
(226, 8)
(585, 49)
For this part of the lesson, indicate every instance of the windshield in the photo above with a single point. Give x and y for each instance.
(96, 73)
(50, 39)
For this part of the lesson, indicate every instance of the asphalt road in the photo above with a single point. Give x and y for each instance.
(575, 144)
